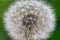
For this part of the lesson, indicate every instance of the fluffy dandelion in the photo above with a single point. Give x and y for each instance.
(29, 20)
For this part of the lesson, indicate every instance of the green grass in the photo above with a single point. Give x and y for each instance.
(4, 4)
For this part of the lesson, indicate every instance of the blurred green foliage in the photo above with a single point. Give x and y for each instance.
(4, 4)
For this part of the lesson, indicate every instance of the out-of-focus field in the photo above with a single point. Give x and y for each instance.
(4, 4)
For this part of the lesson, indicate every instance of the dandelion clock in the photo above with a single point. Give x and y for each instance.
(29, 20)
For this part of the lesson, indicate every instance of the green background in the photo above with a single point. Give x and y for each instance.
(4, 4)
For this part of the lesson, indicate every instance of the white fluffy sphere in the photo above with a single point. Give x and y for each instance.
(18, 26)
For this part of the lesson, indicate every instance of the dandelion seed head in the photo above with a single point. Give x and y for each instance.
(29, 20)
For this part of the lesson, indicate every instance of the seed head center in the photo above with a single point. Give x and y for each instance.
(29, 20)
